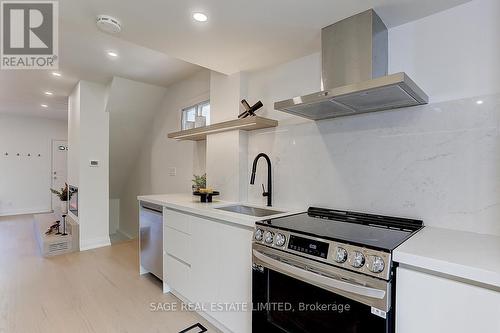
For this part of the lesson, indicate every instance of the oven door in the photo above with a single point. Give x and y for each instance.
(294, 294)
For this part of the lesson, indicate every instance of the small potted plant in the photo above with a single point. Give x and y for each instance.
(199, 182)
(64, 195)
(200, 188)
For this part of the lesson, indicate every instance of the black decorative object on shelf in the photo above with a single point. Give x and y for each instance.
(205, 197)
(58, 223)
(249, 110)
(54, 227)
(64, 225)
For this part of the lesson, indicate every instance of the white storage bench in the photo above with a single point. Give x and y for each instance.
(51, 245)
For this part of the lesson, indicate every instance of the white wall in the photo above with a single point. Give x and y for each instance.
(114, 215)
(226, 152)
(88, 137)
(131, 106)
(226, 92)
(452, 54)
(151, 172)
(25, 180)
(438, 162)
(74, 137)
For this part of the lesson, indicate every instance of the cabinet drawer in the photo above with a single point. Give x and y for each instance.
(177, 275)
(177, 243)
(178, 221)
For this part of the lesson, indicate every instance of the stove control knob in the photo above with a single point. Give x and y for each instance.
(258, 235)
(268, 237)
(377, 264)
(340, 255)
(358, 259)
(280, 239)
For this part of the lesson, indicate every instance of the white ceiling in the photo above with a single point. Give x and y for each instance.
(83, 56)
(239, 35)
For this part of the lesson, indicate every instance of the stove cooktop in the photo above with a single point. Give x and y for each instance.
(375, 231)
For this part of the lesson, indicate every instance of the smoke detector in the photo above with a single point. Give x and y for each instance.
(108, 24)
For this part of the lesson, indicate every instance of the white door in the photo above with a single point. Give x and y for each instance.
(59, 168)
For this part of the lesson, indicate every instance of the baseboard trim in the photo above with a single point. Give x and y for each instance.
(126, 234)
(26, 212)
(95, 243)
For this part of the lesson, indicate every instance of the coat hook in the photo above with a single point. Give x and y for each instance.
(6, 154)
(39, 155)
(17, 154)
(29, 154)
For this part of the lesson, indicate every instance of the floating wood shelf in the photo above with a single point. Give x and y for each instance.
(246, 124)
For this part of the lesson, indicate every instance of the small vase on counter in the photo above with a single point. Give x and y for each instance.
(64, 207)
(64, 195)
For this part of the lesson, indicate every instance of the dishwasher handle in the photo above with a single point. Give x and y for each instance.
(152, 208)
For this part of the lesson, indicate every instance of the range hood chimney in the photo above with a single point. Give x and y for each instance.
(354, 76)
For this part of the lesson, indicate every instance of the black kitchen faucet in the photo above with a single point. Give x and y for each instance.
(269, 192)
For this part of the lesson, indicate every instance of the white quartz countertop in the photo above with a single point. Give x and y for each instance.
(191, 204)
(460, 254)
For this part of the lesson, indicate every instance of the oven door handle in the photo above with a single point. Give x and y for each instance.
(318, 279)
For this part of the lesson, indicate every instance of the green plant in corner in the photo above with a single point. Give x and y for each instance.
(199, 182)
(63, 194)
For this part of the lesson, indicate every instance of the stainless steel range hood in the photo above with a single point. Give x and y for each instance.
(354, 73)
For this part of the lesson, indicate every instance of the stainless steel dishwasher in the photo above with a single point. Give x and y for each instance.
(151, 238)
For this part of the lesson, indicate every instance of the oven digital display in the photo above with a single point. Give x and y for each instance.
(308, 246)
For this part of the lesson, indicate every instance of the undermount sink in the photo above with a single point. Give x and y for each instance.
(248, 210)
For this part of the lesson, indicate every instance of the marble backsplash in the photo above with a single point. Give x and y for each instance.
(438, 162)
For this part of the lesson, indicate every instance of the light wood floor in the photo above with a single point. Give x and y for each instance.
(92, 291)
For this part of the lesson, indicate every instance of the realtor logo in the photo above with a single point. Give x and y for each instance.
(29, 31)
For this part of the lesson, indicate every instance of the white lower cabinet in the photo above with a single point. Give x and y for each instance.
(177, 274)
(234, 274)
(205, 267)
(433, 304)
(217, 272)
(176, 251)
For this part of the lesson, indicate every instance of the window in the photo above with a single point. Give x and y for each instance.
(197, 115)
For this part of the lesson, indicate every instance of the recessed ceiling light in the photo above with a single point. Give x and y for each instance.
(200, 17)
(479, 102)
(44, 106)
(112, 54)
(56, 74)
(49, 93)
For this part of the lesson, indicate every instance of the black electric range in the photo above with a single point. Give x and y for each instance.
(333, 260)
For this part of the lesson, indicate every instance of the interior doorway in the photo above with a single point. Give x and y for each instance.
(59, 172)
